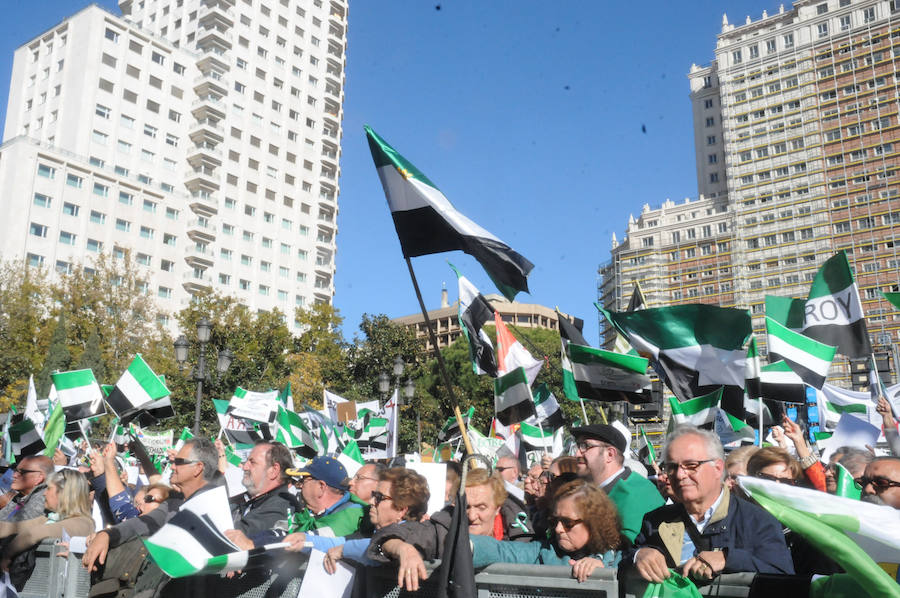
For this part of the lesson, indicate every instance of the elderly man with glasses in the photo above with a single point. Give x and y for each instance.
(708, 530)
(600, 455)
(882, 480)
(29, 482)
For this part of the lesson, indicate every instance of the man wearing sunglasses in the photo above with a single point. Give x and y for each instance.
(30, 482)
(708, 530)
(600, 453)
(882, 479)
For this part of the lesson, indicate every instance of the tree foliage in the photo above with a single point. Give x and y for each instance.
(58, 357)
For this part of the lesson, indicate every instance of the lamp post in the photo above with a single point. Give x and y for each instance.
(408, 390)
(200, 373)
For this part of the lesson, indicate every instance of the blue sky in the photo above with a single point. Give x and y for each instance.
(528, 115)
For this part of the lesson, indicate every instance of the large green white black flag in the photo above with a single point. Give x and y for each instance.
(832, 314)
(427, 222)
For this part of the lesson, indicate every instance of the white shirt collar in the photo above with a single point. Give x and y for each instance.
(612, 477)
(704, 521)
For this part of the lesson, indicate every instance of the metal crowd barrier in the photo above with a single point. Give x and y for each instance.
(56, 577)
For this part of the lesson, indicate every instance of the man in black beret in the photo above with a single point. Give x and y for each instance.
(601, 458)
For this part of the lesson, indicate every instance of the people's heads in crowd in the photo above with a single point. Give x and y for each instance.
(31, 472)
(401, 495)
(600, 451)
(485, 494)
(321, 483)
(454, 475)
(266, 467)
(68, 494)
(585, 519)
(365, 480)
(852, 458)
(555, 483)
(664, 485)
(694, 461)
(508, 468)
(736, 463)
(563, 464)
(148, 498)
(535, 483)
(775, 464)
(881, 479)
(195, 465)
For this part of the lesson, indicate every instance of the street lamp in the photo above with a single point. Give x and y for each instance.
(409, 389)
(199, 373)
(403, 398)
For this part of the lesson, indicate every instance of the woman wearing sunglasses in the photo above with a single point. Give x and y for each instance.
(585, 532)
(68, 509)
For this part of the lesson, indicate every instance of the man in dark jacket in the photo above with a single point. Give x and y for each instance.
(266, 481)
(708, 530)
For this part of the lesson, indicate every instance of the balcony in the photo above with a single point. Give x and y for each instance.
(204, 176)
(216, 15)
(200, 230)
(205, 202)
(210, 87)
(199, 256)
(207, 130)
(194, 282)
(204, 153)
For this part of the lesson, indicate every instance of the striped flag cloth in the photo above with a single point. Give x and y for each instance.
(54, 429)
(351, 458)
(286, 397)
(137, 386)
(25, 440)
(546, 409)
(752, 371)
(330, 440)
(569, 332)
(291, 431)
(79, 394)
(513, 401)
(635, 303)
(778, 382)
(330, 401)
(832, 313)
(696, 412)
(536, 438)
(256, 406)
(732, 430)
(846, 485)
(601, 375)
(474, 312)
(695, 348)
(857, 535)
(238, 431)
(511, 354)
(808, 358)
(193, 543)
(450, 430)
(834, 402)
(645, 451)
(426, 221)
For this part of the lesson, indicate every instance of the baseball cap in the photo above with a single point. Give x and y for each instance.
(329, 470)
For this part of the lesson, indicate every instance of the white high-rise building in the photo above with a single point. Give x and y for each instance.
(201, 136)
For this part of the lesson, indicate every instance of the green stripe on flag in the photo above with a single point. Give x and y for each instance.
(589, 355)
(73, 379)
(384, 155)
(508, 381)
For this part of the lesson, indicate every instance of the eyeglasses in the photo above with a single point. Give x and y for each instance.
(178, 461)
(772, 478)
(151, 498)
(502, 469)
(378, 498)
(585, 447)
(24, 472)
(358, 478)
(689, 466)
(567, 523)
(879, 483)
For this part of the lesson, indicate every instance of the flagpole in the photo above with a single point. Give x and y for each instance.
(760, 416)
(440, 359)
(543, 442)
(583, 411)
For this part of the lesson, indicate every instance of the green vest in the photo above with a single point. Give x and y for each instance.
(343, 520)
(634, 496)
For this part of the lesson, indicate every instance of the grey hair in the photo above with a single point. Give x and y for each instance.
(854, 459)
(204, 451)
(714, 448)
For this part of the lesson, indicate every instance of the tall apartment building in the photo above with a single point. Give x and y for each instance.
(797, 150)
(201, 136)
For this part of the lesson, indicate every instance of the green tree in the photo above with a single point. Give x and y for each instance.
(375, 351)
(25, 326)
(319, 356)
(260, 343)
(58, 357)
(109, 297)
(92, 358)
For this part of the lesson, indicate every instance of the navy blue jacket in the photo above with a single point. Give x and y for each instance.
(752, 539)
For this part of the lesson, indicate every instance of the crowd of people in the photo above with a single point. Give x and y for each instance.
(596, 508)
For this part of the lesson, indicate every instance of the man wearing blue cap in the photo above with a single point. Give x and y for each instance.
(330, 509)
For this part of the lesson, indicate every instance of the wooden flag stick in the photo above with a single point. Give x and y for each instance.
(440, 358)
